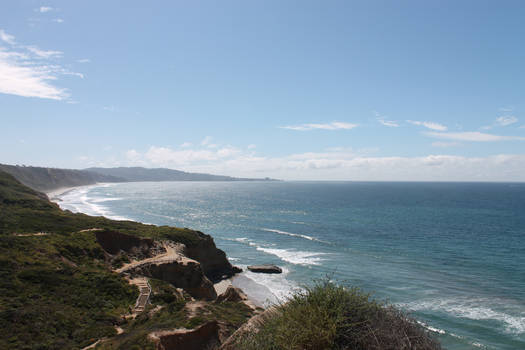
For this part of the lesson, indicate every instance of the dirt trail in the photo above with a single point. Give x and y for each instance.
(173, 253)
(30, 234)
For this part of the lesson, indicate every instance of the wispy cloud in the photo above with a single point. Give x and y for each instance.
(58, 20)
(428, 125)
(44, 9)
(474, 136)
(6, 37)
(382, 119)
(390, 123)
(44, 53)
(84, 60)
(326, 126)
(28, 71)
(505, 120)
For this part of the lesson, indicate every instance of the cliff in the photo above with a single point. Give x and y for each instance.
(68, 280)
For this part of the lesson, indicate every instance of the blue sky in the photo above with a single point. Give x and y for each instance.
(308, 90)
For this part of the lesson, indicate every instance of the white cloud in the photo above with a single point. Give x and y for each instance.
(429, 125)
(6, 37)
(58, 20)
(43, 53)
(340, 164)
(252, 146)
(28, 81)
(186, 144)
(84, 60)
(44, 9)
(382, 119)
(505, 120)
(390, 123)
(27, 71)
(326, 126)
(472, 136)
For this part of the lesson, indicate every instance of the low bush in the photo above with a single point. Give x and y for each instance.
(330, 316)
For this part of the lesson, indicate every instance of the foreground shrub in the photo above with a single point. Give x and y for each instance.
(329, 316)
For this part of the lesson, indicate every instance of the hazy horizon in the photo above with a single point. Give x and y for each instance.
(295, 90)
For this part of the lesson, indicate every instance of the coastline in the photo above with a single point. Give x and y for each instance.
(55, 194)
(258, 294)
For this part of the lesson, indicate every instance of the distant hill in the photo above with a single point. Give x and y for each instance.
(48, 179)
(134, 174)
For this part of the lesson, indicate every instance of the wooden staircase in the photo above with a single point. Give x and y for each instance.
(145, 291)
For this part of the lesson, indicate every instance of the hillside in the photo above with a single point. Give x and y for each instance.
(48, 179)
(133, 174)
(60, 288)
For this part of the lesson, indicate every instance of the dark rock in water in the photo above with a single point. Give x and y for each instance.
(265, 269)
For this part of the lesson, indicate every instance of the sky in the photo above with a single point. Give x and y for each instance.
(295, 90)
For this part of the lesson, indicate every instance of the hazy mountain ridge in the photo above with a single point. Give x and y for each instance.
(48, 179)
(135, 174)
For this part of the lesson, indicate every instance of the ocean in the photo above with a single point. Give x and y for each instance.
(451, 254)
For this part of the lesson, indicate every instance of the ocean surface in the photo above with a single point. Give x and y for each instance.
(453, 254)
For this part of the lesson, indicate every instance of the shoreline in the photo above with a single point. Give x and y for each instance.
(258, 295)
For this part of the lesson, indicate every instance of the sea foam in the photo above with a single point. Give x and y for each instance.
(295, 256)
(79, 200)
(474, 309)
(293, 234)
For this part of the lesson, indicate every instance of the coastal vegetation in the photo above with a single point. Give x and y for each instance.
(58, 287)
(330, 316)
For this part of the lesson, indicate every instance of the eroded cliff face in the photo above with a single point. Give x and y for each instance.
(205, 336)
(114, 242)
(170, 261)
(187, 275)
(214, 263)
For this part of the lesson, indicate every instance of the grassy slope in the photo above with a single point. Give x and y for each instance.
(56, 291)
(329, 316)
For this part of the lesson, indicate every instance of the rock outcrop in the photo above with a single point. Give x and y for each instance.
(205, 336)
(213, 260)
(232, 294)
(114, 242)
(182, 273)
(265, 269)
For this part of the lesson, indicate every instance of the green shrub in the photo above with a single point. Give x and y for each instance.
(329, 316)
